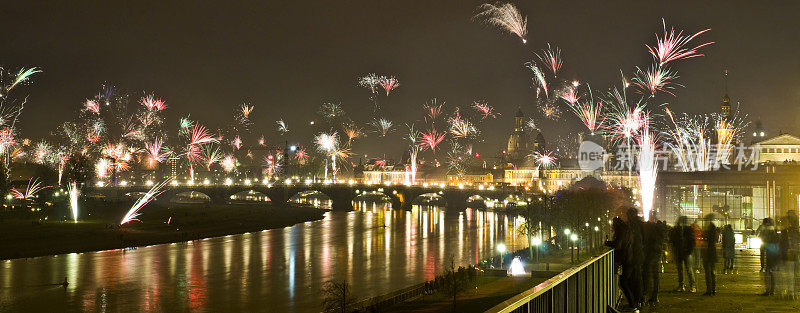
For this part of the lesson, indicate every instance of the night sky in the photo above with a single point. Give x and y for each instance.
(287, 57)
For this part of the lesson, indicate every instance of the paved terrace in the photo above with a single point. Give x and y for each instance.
(735, 292)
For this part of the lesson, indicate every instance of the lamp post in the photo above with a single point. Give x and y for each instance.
(502, 248)
(574, 238)
(536, 242)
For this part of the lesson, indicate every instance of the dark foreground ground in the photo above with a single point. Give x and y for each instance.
(21, 238)
(735, 292)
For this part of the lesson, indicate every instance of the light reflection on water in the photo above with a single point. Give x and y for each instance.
(374, 248)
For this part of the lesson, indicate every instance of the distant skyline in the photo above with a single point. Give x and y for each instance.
(288, 58)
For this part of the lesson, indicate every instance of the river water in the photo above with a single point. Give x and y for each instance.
(375, 249)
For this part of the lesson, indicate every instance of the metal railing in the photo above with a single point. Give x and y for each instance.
(588, 287)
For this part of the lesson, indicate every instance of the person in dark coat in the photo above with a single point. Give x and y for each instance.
(770, 242)
(682, 239)
(654, 234)
(634, 273)
(728, 248)
(710, 238)
(621, 243)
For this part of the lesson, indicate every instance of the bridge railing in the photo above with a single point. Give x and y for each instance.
(588, 287)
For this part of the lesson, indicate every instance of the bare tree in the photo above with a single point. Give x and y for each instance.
(337, 296)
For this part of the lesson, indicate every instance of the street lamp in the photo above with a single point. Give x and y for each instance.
(574, 238)
(502, 248)
(536, 242)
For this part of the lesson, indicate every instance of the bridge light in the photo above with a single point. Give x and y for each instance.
(190, 182)
(101, 184)
(206, 182)
(228, 181)
(149, 183)
(174, 182)
(288, 181)
(248, 182)
(123, 183)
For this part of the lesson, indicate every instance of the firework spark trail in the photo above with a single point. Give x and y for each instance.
(327, 143)
(570, 95)
(382, 126)
(282, 128)
(431, 139)
(623, 120)
(505, 16)
(34, 186)
(460, 127)
(689, 140)
(92, 106)
(484, 109)
(7, 139)
(262, 141)
(352, 131)
(671, 47)
(154, 152)
(150, 195)
(151, 103)
(211, 155)
(72, 190)
(433, 109)
(655, 79)
(540, 79)
(22, 76)
(531, 124)
(414, 147)
(648, 169)
(389, 84)
(589, 112)
(551, 58)
(544, 160)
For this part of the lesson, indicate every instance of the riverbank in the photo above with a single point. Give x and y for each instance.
(22, 238)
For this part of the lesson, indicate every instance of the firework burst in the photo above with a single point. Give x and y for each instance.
(151, 103)
(506, 17)
(431, 138)
(672, 46)
(34, 186)
(382, 126)
(589, 112)
(150, 195)
(389, 84)
(72, 190)
(551, 58)
(484, 109)
(539, 79)
(92, 106)
(282, 127)
(655, 79)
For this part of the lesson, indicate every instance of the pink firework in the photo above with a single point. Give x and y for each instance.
(154, 151)
(150, 195)
(262, 141)
(92, 106)
(380, 163)
(237, 142)
(655, 79)
(151, 103)
(671, 47)
(485, 109)
(34, 186)
(551, 58)
(570, 95)
(301, 155)
(431, 139)
(93, 135)
(201, 135)
(389, 84)
(7, 139)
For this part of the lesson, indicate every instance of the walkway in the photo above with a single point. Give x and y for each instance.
(735, 292)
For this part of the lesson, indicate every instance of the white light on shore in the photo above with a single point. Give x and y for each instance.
(516, 268)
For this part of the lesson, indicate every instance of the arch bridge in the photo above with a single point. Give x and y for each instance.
(341, 195)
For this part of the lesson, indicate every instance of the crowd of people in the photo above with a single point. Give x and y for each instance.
(640, 253)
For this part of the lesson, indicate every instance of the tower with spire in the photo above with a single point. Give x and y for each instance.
(726, 101)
